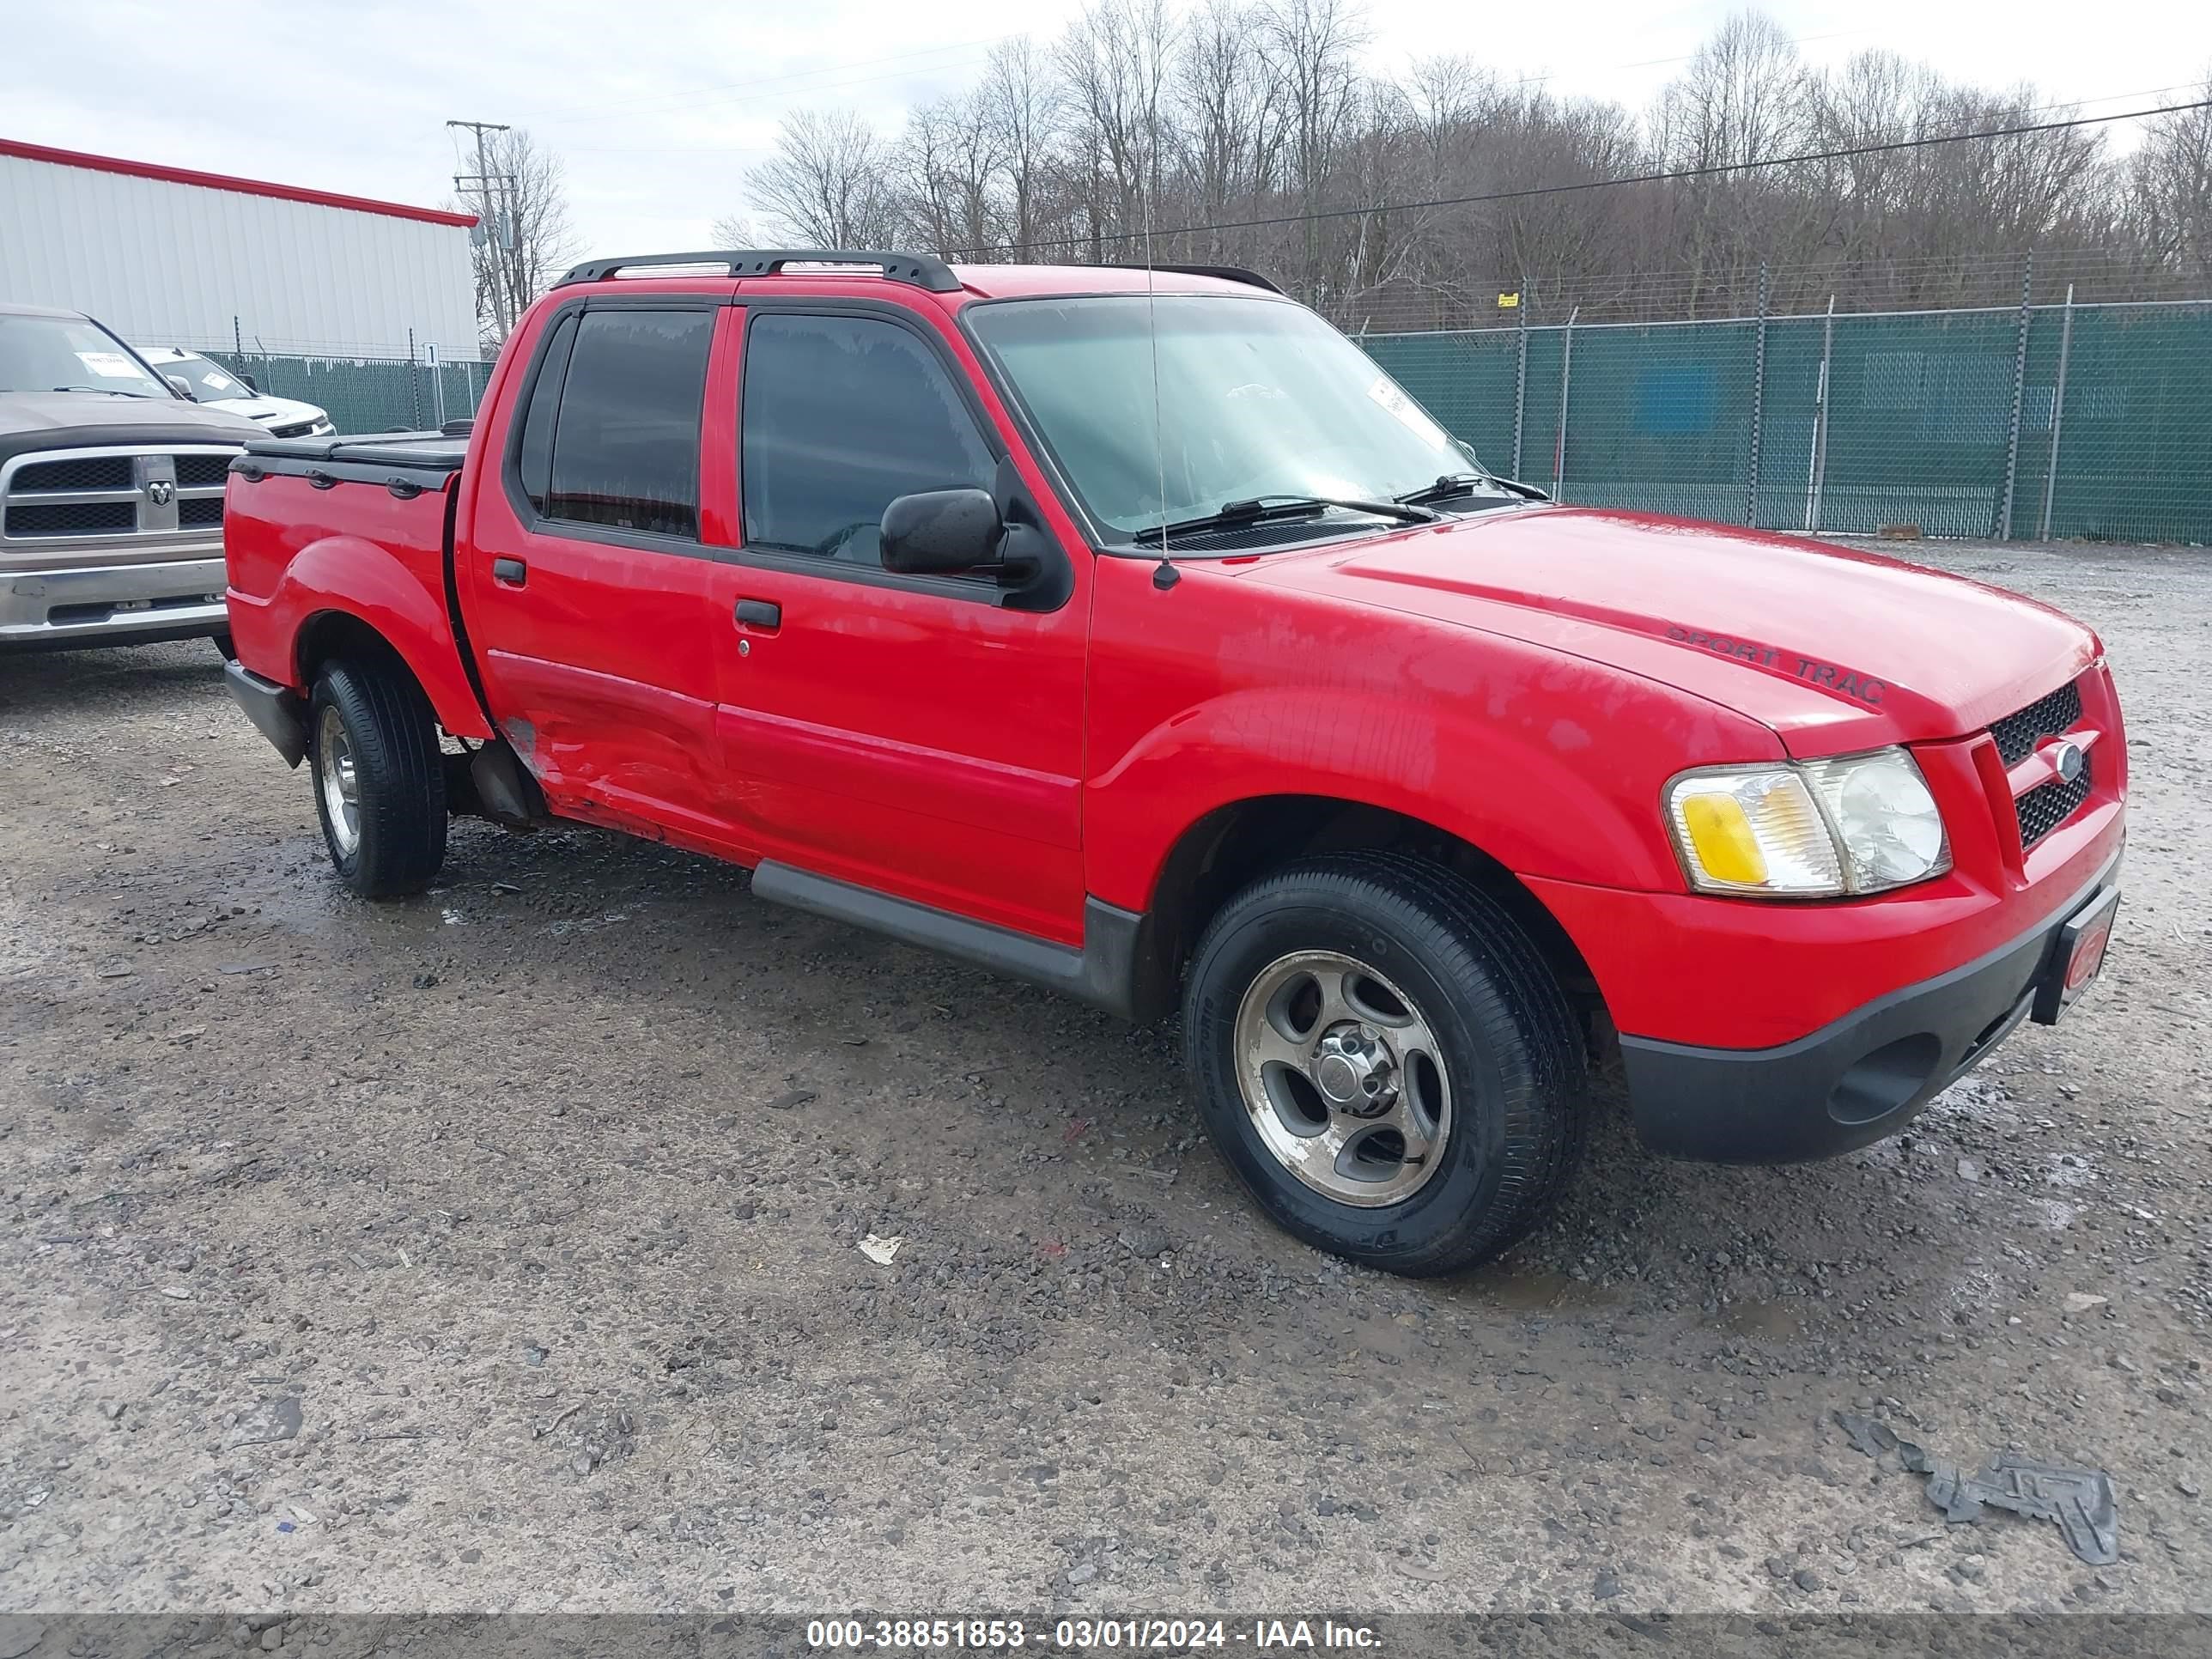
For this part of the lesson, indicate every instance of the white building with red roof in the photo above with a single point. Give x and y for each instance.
(167, 255)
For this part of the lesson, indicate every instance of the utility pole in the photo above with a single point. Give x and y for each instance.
(490, 222)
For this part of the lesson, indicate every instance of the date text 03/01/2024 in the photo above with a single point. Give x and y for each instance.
(1134, 1634)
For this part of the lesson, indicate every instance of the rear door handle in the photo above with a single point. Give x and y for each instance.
(759, 613)
(512, 572)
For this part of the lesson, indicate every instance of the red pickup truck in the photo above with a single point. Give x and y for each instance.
(1130, 633)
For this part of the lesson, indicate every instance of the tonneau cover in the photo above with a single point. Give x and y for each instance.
(421, 452)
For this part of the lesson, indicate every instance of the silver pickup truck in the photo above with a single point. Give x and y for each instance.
(111, 491)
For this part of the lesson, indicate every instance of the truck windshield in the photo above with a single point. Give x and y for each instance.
(210, 382)
(1257, 398)
(67, 354)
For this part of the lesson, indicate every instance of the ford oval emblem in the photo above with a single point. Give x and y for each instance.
(2069, 761)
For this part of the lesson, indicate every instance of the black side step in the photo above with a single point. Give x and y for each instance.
(1108, 972)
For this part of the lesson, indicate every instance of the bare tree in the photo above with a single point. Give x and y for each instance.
(1022, 105)
(2172, 189)
(1562, 250)
(1313, 49)
(1113, 62)
(949, 166)
(1252, 132)
(734, 230)
(1231, 136)
(523, 238)
(1744, 97)
(828, 185)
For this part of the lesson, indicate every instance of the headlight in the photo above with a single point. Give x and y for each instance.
(1808, 829)
(323, 429)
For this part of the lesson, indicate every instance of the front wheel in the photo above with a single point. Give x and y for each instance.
(1386, 1060)
(379, 778)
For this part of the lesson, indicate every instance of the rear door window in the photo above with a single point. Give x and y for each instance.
(842, 415)
(624, 449)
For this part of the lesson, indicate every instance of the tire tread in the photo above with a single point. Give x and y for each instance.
(1546, 1117)
(402, 771)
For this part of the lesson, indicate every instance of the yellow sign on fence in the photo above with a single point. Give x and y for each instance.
(1508, 301)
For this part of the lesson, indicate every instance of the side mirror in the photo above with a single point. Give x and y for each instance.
(250, 384)
(941, 532)
(181, 386)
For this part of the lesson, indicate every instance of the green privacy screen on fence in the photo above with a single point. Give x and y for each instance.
(1945, 420)
(368, 394)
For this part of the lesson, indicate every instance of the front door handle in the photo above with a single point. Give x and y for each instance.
(759, 613)
(511, 572)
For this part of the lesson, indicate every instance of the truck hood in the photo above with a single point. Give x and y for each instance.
(266, 411)
(1833, 649)
(85, 420)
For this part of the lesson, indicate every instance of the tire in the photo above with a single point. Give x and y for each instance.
(1484, 1072)
(369, 725)
(223, 642)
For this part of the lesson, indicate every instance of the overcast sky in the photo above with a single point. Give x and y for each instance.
(658, 107)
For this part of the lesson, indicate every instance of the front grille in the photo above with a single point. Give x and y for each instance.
(296, 430)
(2044, 808)
(56, 495)
(94, 472)
(71, 518)
(2047, 805)
(2018, 734)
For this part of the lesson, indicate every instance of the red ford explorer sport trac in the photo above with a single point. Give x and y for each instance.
(1131, 634)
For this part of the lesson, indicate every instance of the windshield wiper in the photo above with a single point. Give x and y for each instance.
(104, 391)
(1270, 509)
(1453, 485)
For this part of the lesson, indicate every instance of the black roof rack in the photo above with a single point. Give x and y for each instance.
(1226, 273)
(922, 270)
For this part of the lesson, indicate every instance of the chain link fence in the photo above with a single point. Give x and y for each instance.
(367, 394)
(2021, 423)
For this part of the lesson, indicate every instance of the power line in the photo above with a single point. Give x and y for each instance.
(1677, 175)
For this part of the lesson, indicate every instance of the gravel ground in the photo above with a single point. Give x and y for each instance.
(499, 1249)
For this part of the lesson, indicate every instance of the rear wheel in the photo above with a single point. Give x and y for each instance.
(379, 778)
(1386, 1060)
(223, 642)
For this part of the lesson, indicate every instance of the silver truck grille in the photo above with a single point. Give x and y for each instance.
(74, 494)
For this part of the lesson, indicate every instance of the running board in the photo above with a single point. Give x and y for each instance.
(1105, 973)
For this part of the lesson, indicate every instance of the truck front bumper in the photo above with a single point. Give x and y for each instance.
(114, 605)
(1864, 1076)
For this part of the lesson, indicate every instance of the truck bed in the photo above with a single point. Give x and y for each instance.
(310, 521)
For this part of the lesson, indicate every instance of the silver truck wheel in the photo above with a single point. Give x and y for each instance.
(336, 777)
(1343, 1079)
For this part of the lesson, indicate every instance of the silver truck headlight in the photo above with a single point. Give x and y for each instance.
(1862, 823)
